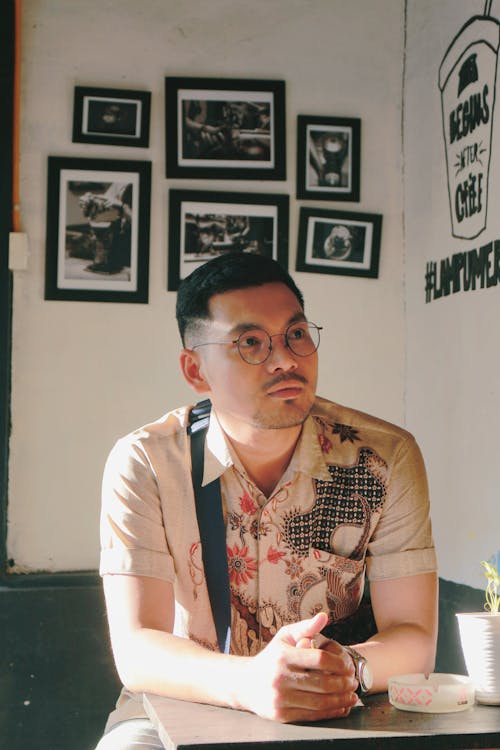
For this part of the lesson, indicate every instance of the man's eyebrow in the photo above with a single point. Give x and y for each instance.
(240, 328)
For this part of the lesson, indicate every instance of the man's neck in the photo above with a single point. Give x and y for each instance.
(264, 453)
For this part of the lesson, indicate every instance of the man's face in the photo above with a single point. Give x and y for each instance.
(279, 392)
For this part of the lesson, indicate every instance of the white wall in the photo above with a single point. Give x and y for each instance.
(85, 373)
(453, 399)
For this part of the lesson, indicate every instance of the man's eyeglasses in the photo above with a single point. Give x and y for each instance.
(255, 345)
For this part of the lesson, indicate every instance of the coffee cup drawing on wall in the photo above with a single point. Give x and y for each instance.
(467, 79)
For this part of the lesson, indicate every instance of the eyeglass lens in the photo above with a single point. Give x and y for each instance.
(255, 345)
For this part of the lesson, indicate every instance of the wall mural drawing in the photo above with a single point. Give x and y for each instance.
(467, 80)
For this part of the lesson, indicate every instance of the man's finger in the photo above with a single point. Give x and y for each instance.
(305, 628)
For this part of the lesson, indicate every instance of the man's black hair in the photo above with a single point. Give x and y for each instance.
(226, 273)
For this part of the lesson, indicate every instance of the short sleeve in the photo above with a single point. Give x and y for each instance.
(402, 543)
(133, 539)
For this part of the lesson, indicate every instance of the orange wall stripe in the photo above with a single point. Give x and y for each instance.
(16, 208)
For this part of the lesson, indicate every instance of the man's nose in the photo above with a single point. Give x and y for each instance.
(281, 356)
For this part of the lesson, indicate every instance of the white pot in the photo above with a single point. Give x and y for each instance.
(480, 639)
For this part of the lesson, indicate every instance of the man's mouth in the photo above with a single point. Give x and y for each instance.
(286, 393)
(286, 386)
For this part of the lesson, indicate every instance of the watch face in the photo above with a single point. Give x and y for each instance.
(365, 675)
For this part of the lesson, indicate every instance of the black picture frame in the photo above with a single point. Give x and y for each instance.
(339, 242)
(229, 128)
(111, 117)
(328, 158)
(204, 224)
(97, 234)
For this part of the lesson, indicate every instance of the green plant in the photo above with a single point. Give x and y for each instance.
(492, 596)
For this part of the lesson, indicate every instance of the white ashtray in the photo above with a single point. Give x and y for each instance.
(437, 693)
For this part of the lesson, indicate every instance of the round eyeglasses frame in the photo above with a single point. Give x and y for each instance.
(312, 327)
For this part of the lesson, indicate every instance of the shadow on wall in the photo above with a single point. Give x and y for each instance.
(57, 677)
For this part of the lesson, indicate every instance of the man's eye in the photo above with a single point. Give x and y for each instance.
(297, 333)
(250, 342)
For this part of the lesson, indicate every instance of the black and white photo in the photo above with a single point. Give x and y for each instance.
(225, 128)
(339, 242)
(97, 230)
(114, 117)
(328, 158)
(204, 225)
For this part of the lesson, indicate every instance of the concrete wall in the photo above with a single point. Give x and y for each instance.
(84, 373)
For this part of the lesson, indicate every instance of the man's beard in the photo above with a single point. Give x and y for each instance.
(295, 414)
(266, 422)
(280, 418)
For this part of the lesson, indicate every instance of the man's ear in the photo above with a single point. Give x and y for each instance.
(191, 369)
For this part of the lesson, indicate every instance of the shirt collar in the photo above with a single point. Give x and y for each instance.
(217, 454)
(308, 458)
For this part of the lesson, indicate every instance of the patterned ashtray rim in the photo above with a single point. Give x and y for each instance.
(436, 693)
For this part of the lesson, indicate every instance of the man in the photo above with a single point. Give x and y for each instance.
(312, 493)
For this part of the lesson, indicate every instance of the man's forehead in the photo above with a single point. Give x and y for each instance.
(255, 304)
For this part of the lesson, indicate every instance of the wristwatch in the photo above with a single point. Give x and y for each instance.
(364, 674)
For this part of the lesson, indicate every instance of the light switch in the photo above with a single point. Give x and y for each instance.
(18, 251)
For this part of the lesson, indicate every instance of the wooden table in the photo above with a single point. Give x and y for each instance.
(377, 724)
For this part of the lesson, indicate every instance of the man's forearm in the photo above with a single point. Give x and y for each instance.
(153, 661)
(400, 649)
(406, 613)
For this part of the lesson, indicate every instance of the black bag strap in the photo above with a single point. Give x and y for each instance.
(211, 525)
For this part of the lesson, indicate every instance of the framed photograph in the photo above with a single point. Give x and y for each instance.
(113, 117)
(225, 128)
(203, 225)
(328, 158)
(339, 242)
(97, 247)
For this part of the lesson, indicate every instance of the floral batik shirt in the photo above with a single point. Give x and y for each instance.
(354, 498)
